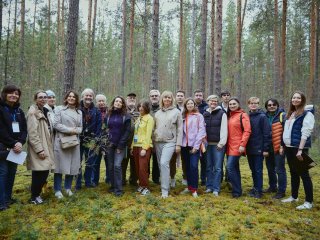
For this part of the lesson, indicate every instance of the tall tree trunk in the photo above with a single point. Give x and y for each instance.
(213, 15)
(276, 77)
(313, 39)
(124, 42)
(181, 50)
(89, 23)
(238, 52)
(283, 53)
(94, 23)
(145, 45)
(192, 47)
(133, 2)
(15, 17)
(48, 34)
(154, 83)
(6, 61)
(71, 45)
(202, 58)
(21, 62)
(218, 47)
(1, 7)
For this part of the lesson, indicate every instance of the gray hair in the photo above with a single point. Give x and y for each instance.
(154, 91)
(212, 97)
(101, 96)
(87, 90)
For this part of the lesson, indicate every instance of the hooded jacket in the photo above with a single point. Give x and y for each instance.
(168, 125)
(236, 136)
(260, 138)
(194, 130)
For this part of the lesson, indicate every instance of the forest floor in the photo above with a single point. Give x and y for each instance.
(96, 214)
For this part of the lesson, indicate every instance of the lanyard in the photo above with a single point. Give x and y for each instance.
(13, 115)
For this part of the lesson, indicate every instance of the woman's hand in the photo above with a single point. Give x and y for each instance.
(178, 149)
(17, 147)
(42, 155)
(281, 151)
(193, 150)
(265, 154)
(118, 150)
(241, 149)
(299, 156)
(143, 152)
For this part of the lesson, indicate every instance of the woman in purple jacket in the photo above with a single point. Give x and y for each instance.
(118, 123)
(194, 132)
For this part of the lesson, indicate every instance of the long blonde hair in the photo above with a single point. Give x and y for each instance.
(165, 94)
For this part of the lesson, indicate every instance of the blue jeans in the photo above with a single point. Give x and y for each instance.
(214, 167)
(114, 160)
(90, 158)
(234, 175)
(57, 181)
(96, 171)
(276, 166)
(192, 160)
(7, 174)
(256, 167)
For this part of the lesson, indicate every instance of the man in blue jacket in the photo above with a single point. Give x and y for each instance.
(91, 121)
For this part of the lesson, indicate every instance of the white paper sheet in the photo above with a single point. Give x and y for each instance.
(18, 158)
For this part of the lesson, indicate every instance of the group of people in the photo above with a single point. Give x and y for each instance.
(165, 128)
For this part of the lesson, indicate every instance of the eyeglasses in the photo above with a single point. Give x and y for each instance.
(272, 105)
(225, 95)
(42, 97)
(254, 103)
(154, 95)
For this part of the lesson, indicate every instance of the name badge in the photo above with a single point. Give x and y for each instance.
(15, 127)
(135, 138)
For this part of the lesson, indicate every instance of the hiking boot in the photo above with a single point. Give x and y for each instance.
(270, 190)
(278, 195)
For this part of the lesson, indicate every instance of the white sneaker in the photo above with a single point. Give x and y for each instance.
(208, 191)
(185, 191)
(184, 182)
(306, 205)
(195, 194)
(173, 183)
(58, 194)
(215, 193)
(145, 192)
(69, 193)
(140, 189)
(289, 199)
(164, 195)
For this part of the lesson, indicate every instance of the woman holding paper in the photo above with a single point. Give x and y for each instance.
(296, 137)
(13, 134)
(40, 157)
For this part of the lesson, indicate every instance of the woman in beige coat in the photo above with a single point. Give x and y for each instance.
(40, 148)
(67, 122)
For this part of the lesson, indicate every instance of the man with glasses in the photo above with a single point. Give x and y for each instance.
(275, 162)
(154, 96)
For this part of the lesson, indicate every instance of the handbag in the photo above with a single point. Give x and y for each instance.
(69, 141)
(4, 151)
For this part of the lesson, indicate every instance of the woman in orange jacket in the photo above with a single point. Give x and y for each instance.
(239, 130)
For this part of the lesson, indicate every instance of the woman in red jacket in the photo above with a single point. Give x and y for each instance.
(239, 131)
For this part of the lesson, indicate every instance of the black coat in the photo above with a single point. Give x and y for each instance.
(8, 115)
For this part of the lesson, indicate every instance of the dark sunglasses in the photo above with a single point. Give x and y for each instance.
(224, 95)
(272, 105)
(42, 97)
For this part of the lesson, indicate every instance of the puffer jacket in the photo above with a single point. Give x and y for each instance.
(277, 123)
(194, 130)
(236, 136)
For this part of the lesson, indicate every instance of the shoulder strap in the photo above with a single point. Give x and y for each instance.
(241, 124)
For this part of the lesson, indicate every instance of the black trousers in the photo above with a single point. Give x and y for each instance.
(39, 178)
(295, 176)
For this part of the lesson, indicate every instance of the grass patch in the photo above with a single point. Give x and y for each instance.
(96, 214)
